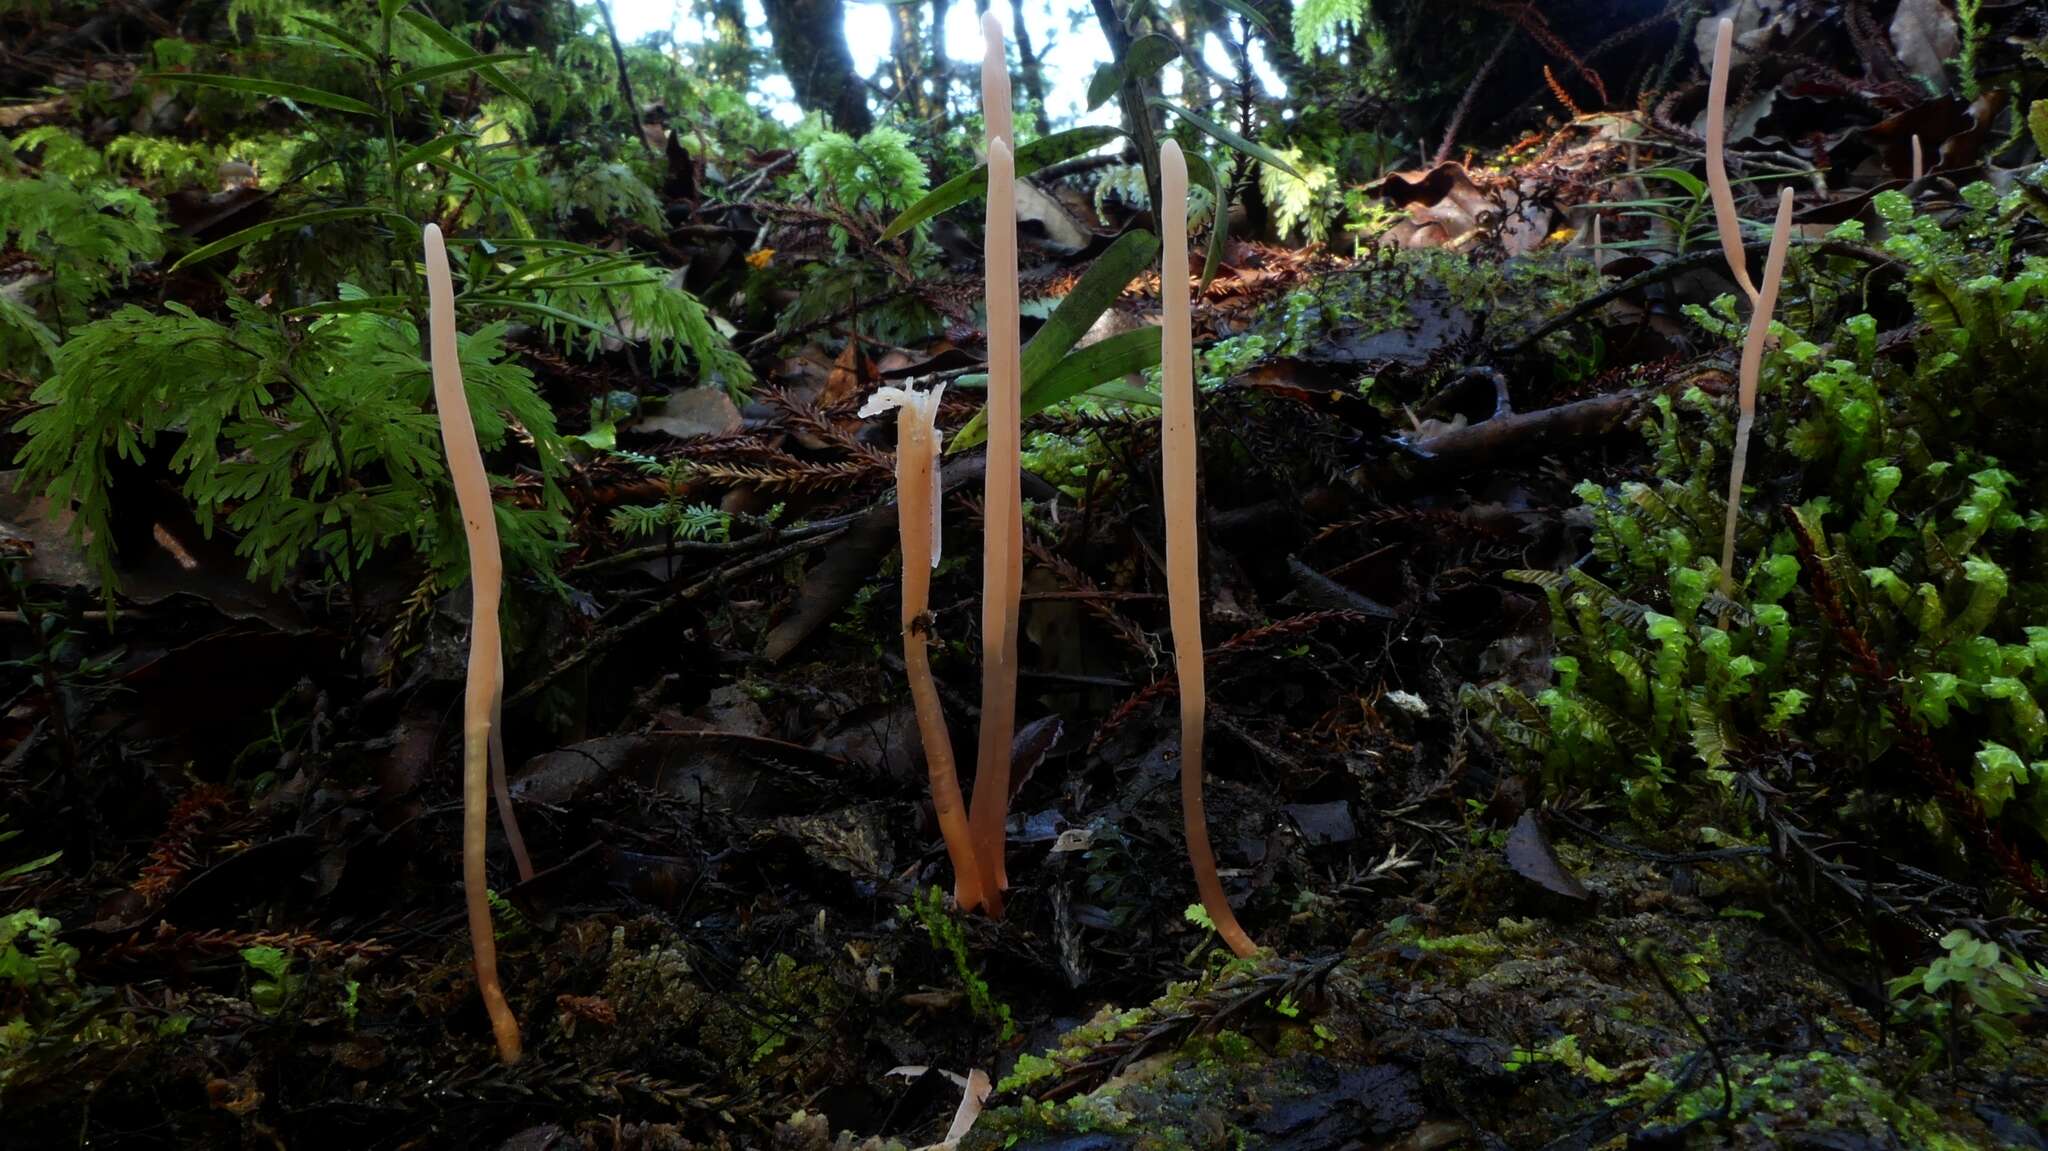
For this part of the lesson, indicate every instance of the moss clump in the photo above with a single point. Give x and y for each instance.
(1813, 1094)
(780, 1000)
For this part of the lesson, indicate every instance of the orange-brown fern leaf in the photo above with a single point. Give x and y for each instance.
(176, 850)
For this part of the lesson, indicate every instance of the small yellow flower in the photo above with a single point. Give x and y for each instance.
(759, 260)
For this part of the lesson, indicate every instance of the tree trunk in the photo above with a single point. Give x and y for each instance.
(810, 44)
(1139, 116)
(907, 59)
(1034, 74)
(1195, 27)
(1280, 49)
(942, 67)
(731, 55)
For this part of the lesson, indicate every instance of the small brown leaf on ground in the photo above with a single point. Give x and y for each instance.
(694, 412)
(1924, 36)
(1531, 856)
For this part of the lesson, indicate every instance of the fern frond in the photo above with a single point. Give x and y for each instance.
(796, 477)
(322, 445)
(1317, 23)
(652, 306)
(1575, 581)
(85, 236)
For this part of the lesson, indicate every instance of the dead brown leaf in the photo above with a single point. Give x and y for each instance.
(1924, 35)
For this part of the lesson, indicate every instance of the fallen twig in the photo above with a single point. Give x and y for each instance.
(1673, 268)
(610, 637)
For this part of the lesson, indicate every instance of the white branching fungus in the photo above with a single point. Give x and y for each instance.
(917, 484)
(924, 407)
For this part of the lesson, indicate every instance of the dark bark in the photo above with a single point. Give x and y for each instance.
(907, 59)
(942, 67)
(1279, 50)
(1138, 114)
(732, 54)
(1195, 26)
(625, 77)
(810, 44)
(1034, 74)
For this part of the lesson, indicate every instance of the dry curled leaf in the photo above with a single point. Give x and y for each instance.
(1531, 856)
(1924, 35)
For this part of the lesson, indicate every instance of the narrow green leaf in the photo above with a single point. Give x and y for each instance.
(533, 267)
(309, 43)
(528, 278)
(386, 9)
(540, 309)
(548, 243)
(1200, 169)
(277, 89)
(20, 869)
(1041, 361)
(1693, 185)
(1102, 362)
(1133, 252)
(389, 304)
(451, 67)
(1107, 79)
(456, 46)
(1148, 54)
(407, 231)
(1125, 393)
(340, 38)
(973, 184)
(1223, 135)
(558, 285)
(420, 153)
(251, 235)
(519, 221)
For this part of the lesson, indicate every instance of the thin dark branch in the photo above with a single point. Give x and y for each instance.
(1673, 268)
(625, 78)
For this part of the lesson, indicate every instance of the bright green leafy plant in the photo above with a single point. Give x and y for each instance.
(1926, 545)
(86, 230)
(306, 441)
(1973, 981)
(271, 982)
(929, 907)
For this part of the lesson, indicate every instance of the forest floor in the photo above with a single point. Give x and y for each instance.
(726, 931)
(736, 933)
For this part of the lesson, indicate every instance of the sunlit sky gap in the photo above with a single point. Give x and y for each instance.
(1069, 54)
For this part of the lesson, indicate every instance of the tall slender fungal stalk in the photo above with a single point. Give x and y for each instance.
(507, 818)
(1002, 509)
(486, 576)
(917, 525)
(1183, 572)
(1751, 369)
(995, 83)
(1726, 222)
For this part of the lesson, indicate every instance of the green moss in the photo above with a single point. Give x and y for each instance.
(1906, 473)
(1812, 1092)
(1468, 945)
(1028, 1070)
(931, 910)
